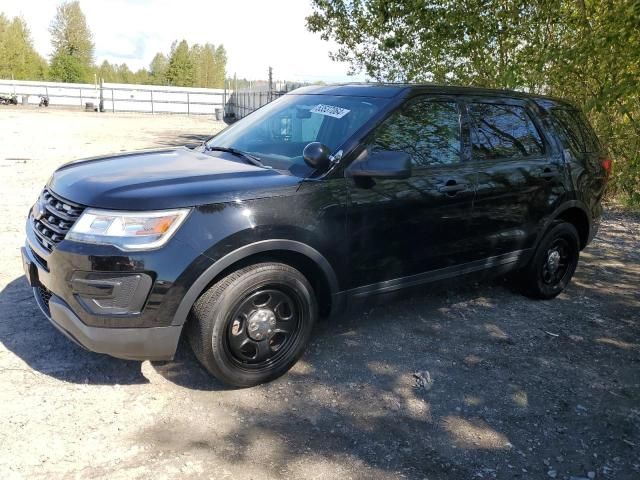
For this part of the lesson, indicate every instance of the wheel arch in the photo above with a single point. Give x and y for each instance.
(575, 213)
(299, 255)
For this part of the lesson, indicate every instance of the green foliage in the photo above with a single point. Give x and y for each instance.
(180, 71)
(208, 65)
(106, 72)
(220, 67)
(587, 51)
(73, 56)
(67, 68)
(72, 59)
(17, 55)
(158, 69)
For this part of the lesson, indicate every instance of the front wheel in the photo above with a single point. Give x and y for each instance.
(253, 325)
(553, 264)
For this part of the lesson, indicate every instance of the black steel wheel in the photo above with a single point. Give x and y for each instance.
(556, 262)
(263, 327)
(253, 325)
(553, 264)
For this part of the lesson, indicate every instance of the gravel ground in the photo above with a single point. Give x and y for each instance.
(471, 382)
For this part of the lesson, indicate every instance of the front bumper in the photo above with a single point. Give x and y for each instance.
(139, 343)
(152, 343)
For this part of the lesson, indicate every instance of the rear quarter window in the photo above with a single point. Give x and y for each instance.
(574, 130)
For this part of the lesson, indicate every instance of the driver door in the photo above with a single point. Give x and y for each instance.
(405, 232)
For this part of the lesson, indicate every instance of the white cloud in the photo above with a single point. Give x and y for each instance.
(256, 33)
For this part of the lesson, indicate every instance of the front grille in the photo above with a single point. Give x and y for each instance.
(42, 297)
(52, 218)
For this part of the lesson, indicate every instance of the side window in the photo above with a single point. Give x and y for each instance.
(502, 132)
(427, 130)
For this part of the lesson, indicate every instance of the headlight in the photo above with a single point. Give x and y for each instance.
(127, 230)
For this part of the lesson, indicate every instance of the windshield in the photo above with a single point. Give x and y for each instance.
(278, 132)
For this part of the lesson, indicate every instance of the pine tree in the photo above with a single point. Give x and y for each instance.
(208, 65)
(180, 71)
(196, 53)
(220, 67)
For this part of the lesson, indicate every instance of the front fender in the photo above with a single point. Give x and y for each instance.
(221, 264)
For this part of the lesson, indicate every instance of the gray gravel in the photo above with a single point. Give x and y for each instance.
(473, 381)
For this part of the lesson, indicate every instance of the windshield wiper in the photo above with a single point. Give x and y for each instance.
(253, 160)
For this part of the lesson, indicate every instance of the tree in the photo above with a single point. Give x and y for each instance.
(180, 70)
(124, 74)
(66, 68)
(141, 76)
(196, 54)
(158, 69)
(72, 44)
(209, 65)
(587, 51)
(106, 72)
(18, 58)
(219, 67)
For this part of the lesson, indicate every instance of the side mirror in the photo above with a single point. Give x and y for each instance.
(317, 156)
(381, 164)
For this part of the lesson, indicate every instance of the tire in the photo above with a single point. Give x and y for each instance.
(253, 325)
(541, 279)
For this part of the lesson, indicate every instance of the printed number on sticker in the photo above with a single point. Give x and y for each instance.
(330, 110)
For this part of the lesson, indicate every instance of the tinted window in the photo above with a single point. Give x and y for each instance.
(574, 131)
(502, 132)
(429, 131)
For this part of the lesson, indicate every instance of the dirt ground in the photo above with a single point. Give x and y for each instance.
(509, 387)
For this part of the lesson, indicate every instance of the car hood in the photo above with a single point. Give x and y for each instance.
(160, 179)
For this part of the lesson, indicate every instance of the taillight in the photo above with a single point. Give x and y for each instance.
(606, 164)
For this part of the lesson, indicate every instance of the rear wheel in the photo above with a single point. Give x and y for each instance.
(553, 264)
(253, 325)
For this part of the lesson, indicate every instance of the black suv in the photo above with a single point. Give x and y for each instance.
(326, 195)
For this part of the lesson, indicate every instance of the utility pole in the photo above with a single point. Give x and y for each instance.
(270, 83)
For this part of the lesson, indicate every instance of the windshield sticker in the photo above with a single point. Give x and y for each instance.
(330, 110)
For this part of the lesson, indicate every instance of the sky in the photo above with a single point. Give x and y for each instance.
(256, 33)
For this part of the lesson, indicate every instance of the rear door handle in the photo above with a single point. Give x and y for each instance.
(549, 173)
(451, 187)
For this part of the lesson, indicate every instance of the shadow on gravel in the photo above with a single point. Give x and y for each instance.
(511, 382)
(515, 388)
(186, 371)
(27, 333)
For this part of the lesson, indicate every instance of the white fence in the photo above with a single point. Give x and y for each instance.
(117, 97)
